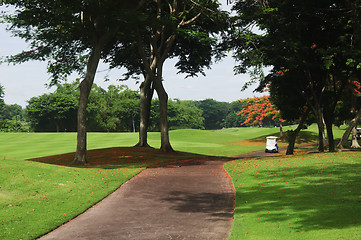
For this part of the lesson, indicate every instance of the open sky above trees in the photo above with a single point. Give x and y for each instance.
(23, 81)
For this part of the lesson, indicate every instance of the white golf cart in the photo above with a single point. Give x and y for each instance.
(271, 145)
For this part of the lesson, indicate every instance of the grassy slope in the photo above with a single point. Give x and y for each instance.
(312, 196)
(226, 142)
(35, 197)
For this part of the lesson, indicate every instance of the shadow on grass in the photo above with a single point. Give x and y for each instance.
(319, 197)
(119, 157)
(304, 137)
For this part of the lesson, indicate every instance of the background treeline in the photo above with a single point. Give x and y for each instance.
(115, 109)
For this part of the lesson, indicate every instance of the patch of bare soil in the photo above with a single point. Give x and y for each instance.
(114, 156)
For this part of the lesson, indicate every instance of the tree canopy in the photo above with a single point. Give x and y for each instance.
(311, 41)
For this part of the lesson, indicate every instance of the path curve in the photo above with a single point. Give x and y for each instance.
(190, 199)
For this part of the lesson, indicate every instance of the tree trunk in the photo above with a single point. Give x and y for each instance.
(355, 143)
(281, 131)
(321, 130)
(133, 123)
(330, 138)
(351, 126)
(329, 120)
(57, 126)
(292, 138)
(85, 87)
(146, 95)
(163, 110)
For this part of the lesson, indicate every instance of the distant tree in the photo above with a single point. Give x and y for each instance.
(214, 113)
(232, 119)
(129, 111)
(11, 116)
(184, 115)
(12, 112)
(116, 109)
(260, 111)
(52, 112)
(181, 115)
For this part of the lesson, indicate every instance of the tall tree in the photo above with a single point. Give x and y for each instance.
(72, 35)
(309, 38)
(185, 29)
(287, 95)
(213, 112)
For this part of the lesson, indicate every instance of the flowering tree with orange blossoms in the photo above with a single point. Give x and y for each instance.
(259, 109)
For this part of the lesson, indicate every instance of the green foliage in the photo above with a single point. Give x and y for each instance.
(11, 116)
(286, 94)
(233, 119)
(12, 112)
(214, 113)
(64, 32)
(314, 45)
(52, 112)
(181, 115)
(117, 110)
(13, 126)
(114, 110)
(186, 30)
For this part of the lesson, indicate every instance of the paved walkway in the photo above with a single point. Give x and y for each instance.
(191, 199)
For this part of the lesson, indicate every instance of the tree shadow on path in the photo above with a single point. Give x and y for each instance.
(218, 205)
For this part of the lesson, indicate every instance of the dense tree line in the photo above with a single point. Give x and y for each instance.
(11, 116)
(116, 109)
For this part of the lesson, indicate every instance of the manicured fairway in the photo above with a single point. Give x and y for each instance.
(227, 142)
(312, 196)
(36, 197)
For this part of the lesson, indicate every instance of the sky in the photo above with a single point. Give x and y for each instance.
(24, 81)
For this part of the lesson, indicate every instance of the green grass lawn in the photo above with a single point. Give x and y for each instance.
(36, 197)
(311, 196)
(227, 142)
